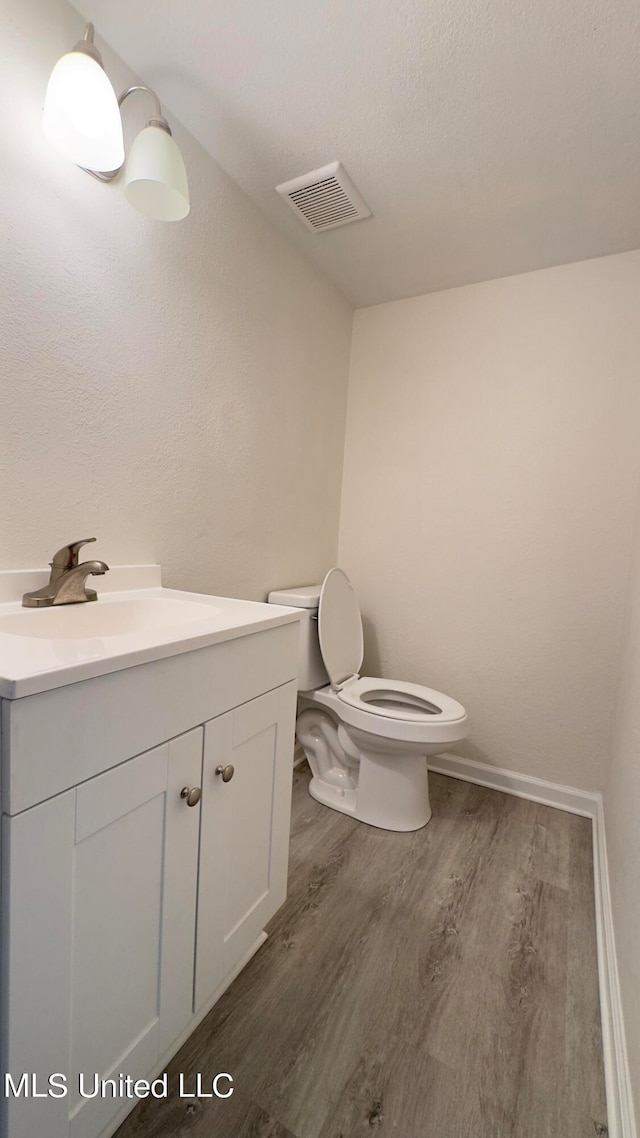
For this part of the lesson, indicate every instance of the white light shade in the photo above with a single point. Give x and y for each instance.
(81, 114)
(155, 177)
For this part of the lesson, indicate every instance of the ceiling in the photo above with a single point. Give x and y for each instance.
(488, 137)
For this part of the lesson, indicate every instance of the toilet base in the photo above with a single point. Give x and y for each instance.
(380, 815)
(393, 791)
(333, 796)
(384, 783)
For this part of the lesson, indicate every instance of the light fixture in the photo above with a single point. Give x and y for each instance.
(82, 120)
(81, 113)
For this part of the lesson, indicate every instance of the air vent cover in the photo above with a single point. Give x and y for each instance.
(325, 198)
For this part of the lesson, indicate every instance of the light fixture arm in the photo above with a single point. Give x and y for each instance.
(158, 115)
(157, 119)
(87, 46)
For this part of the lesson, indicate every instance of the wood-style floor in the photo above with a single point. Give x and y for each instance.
(441, 984)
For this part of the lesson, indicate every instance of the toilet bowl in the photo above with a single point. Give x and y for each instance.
(366, 739)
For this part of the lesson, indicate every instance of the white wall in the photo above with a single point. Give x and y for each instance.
(622, 802)
(177, 390)
(490, 473)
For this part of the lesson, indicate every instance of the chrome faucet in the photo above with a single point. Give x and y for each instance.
(67, 582)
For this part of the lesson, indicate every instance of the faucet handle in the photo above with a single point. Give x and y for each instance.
(67, 558)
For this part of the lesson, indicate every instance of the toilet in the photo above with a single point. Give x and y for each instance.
(366, 739)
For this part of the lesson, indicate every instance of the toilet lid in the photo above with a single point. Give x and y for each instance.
(340, 627)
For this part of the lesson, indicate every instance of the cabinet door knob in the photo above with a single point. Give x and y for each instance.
(192, 795)
(226, 772)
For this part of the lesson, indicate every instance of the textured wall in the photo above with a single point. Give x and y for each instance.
(178, 391)
(621, 801)
(490, 473)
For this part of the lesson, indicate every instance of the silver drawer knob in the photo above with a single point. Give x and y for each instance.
(226, 772)
(192, 794)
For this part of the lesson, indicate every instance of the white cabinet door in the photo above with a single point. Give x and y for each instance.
(244, 832)
(101, 892)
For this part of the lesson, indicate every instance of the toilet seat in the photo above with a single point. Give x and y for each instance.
(391, 709)
(397, 699)
(448, 727)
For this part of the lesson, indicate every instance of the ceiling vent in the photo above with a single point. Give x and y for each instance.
(325, 198)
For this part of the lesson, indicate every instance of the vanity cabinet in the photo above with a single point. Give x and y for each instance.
(243, 844)
(125, 910)
(101, 932)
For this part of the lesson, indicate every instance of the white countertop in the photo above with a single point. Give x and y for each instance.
(68, 651)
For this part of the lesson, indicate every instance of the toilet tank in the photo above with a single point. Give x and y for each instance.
(311, 670)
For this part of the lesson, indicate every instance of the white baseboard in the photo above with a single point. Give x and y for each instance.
(521, 785)
(621, 1118)
(616, 1064)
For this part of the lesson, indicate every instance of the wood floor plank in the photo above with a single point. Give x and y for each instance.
(551, 845)
(509, 988)
(419, 1097)
(181, 1118)
(536, 989)
(329, 984)
(440, 984)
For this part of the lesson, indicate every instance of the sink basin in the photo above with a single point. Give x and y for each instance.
(133, 621)
(106, 618)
